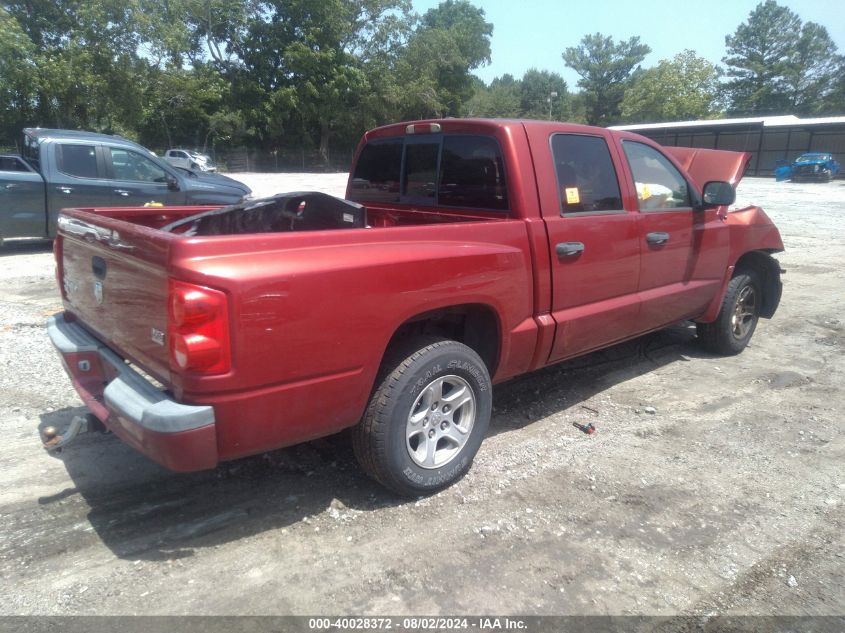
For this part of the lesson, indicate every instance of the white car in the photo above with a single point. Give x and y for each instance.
(189, 160)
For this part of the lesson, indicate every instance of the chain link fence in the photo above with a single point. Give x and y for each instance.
(288, 160)
(251, 160)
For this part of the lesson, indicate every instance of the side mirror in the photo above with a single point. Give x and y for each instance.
(718, 193)
(172, 183)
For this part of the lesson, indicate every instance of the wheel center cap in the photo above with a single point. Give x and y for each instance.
(436, 417)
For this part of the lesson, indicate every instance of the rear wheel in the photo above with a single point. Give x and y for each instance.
(730, 333)
(426, 419)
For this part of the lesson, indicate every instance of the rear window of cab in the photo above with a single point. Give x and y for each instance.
(464, 171)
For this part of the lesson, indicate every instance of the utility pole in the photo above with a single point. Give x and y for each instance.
(552, 95)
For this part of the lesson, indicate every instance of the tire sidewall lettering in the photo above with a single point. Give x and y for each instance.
(471, 369)
(437, 477)
(430, 374)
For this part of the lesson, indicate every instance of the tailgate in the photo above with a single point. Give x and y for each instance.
(114, 280)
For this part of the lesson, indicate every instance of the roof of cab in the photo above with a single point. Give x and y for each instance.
(460, 124)
(42, 133)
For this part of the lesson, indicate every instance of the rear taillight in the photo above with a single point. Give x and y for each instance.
(198, 329)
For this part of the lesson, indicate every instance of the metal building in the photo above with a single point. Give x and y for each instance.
(769, 139)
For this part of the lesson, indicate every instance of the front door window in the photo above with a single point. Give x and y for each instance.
(659, 184)
(129, 165)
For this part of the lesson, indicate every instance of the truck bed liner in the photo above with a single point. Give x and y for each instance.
(298, 211)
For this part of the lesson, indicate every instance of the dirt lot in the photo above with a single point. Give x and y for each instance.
(727, 499)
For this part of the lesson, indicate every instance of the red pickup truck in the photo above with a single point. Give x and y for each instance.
(467, 252)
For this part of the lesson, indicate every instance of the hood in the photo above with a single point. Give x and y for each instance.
(705, 165)
(212, 181)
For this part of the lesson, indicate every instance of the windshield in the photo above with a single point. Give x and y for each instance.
(809, 158)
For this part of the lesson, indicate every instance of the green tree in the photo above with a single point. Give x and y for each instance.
(305, 61)
(181, 106)
(759, 60)
(544, 95)
(500, 100)
(779, 65)
(605, 68)
(683, 88)
(833, 102)
(813, 68)
(433, 71)
(87, 69)
(466, 23)
(177, 32)
(18, 68)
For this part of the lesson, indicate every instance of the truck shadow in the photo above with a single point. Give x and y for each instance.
(568, 385)
(142, 511)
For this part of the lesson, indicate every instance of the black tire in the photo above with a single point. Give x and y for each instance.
(730, 333)
(383, 440)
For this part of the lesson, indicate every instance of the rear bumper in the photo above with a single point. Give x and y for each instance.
(178, 436)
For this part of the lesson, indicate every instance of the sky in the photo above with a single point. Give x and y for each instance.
(534, 33)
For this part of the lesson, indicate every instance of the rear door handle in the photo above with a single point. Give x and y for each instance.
(569, 249)
(64, 189)
(12, 185)
(657, 238)
(121, 192)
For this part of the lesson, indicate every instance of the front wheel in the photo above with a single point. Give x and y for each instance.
(426, 419)
(730, 333)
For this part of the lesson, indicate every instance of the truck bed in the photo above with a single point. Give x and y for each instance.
(377, 217)
(115, 264)
(310, 313)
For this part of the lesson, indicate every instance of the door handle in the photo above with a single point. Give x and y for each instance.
(657, 238)
(12, 185)
(64, 189)
(569, 249)
(121, 192)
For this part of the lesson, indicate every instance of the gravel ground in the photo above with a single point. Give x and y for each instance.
(713, 485)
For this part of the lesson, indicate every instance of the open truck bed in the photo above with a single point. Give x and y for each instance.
(279, 277)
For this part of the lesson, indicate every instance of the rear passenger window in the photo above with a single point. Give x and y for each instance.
(11, 163)
(586, 178)
(377, 172)
(472, 173)
(659, 184)
(77, 160)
